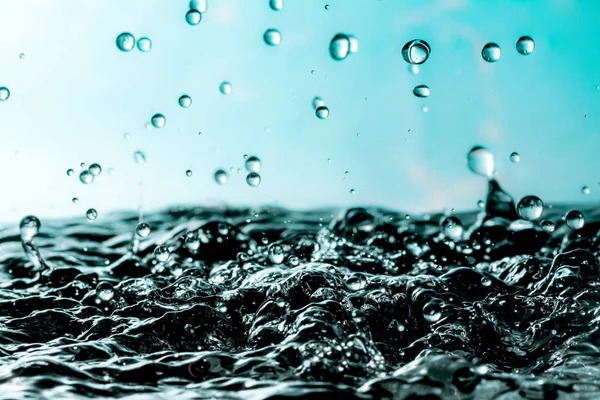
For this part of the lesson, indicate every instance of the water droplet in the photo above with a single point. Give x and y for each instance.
(452, 228)
(4, 93)
(91, 214)
(276, 5)
(548, 226)
(162, 253)
(193, 17)
(253, 164)
(272, 37)
(140, 158)
(530, 208)
(185, 101)
(86, 177)
(491, 52)
(525, 45)
(29, 227)
(111, 171)
(356, 282)
(158, 120)
(317, 102)
(585, 190)
(22, 56)
(339, 47)
(421, 91)
(480, 204)
(352, 191)
(322, 112)
(105, 291)
(327, 6)
(253, 179)
(188, 173)
(575, 219)
(416, 51)
(294, 261)
(144, 44)
(276, 254)
(143, 230)
(485, 281)
(221, 177)
(125, 41)
(481, 161)
(515, 157)
(70, 172)
(82, 165)
(225, 88)
(126, 136)
(95, 169)
(432, 311)
(200, 5)
(353, 45)
(75, 200)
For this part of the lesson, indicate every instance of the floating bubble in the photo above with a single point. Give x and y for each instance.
(91, 214)
(188, 173)
(452, 228)
(158, 121)
(272, 37)
(95, 169)
(356, 282)
(481, 161)
(276, 254)
(193, 17)
(515, 157)
(253, 179)
(575, 219)
(162, 253)
(276, 5)
(491, 52)
(253, 164)
(4, 93)
(530, 208)
(29, 228)
(70, 172)
(221, 177)
(185, 101)
(225, 88)
(585, 190)
(144, 45)
(339, 47)
(200, 5)
(525, 45)
(125, 41)
(86, 177)
(548, 226)
(421, 91)
(322, 112)
(105, 291)
(143, 230)
(416, 51)
(139, 157)
(432, 311)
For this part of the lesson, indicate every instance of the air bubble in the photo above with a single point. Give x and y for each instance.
(143, 230)
(253, 179)
(416, 51)
(158, 121)
(91, 214)
(272, 37)
(491, 52)
(221, 177)
(125, 41)
(530, 208)
(525, 45)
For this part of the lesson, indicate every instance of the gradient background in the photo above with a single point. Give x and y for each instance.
(74, 95)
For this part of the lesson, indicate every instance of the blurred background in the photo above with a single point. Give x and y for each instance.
(75, 97)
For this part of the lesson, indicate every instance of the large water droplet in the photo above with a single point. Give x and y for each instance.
(221, 177)
(575, 219)
(491, 52)
(225, 88)
(193, 17)
(276, 5)
(144, 44)
(4, 93)
(416, 51)
(253, 164)
(29, 227)
(525, 45)
(322, 112)
(515, 157)
(452, 228)
(91, 214)
(481, 161)
(276, 254)
(86, 177)
(95, 169)
(162, 253)
(421, 91)
(125, 41)
(140, 158)
(200, 5)
(432, 311)
(339, 47)
(548, 226)
(105, 291)
(272, 37)
(158, 121)
(530, 208)
(185, 101)
(356, 282)
(253, 179)
(143, 229)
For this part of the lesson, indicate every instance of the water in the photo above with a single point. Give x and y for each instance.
(253, 179)
(575, 219)
(4, 93)
(86, 177)
(491, 52)
(416, 51)
(481, 161)
(225, 88)
(322, 112)
(140, 158)
(515, 157)
(125, 41)
(530, 208)
(200, 5)
(91, 214)
(95, 169)
(272, 37)
(144, 44)
(253, 164)
(525, 45)
(185, 101)
(193, 17)
(159, 121)
(421, 91)
(221, 177)
(276, 5)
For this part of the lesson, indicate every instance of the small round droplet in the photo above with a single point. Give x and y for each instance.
(75, 200)
(86, 177)
(452, 228)
(22, 56)
(548, 226)
(91, 214)
(416, 51)
(530, 208)
(188, 173)
(225, 88)
(200, 5)
(294, 261)
(105, 291)
(432, 311)
(585, 190)
(253, 164)
(525, 45)
(143, 230)
(327, 6)
(140, 158)
(352, 191)
(515, 157)
(356, 282)
(481, 161)
(575, 219)
(125, 41)
(339, 47)
(221, 177)
(421, 91)
(70, 172)
(193, 17)
(276, 254)
(276, 5)
(480, 204)
(29, 228)
(485, 281)
(322, 112)
(317, 102)
(253, 179)
(82, 165)
(144, 45)
(491, 52)
(95, 169)
(4, 93)
(162, 253)
(158, 121)
(126, 136)
(272, 37)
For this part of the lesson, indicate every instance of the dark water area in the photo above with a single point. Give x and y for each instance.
(275, 304)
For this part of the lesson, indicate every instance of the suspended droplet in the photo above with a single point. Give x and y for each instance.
(144, 45)
(585, 190)
(225, 88)
(491, 52)
(356, 282)
(185, 101)
(452, 228)
(126, 136)
(193, 17)
(253, 164)
(326, 6)
(4, 93)
(421, 91)
(276, 254)
(82, 165)
(22, 56)
(525, 45)
(276, 5)
(548, 226)
(158, 120)
(188, 173)
(200, 5)
(481, 161)
(29, 228)
(86, 177)
(317, 102)
(143, 230)
(416, 51)
(125, 41)
(352, 191)
(91, 214)
(530, 208)
(162, 253)
(294, 261)
(480, 204)
(139, 157)
(70, 172)
(253, 179)
(432, 311)
(515, 157)
(95, 169)
(339, 47)
(75, 200)
(322, 112)
(221, 177)
(105, 291)
(575, 219)
(272, 37)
